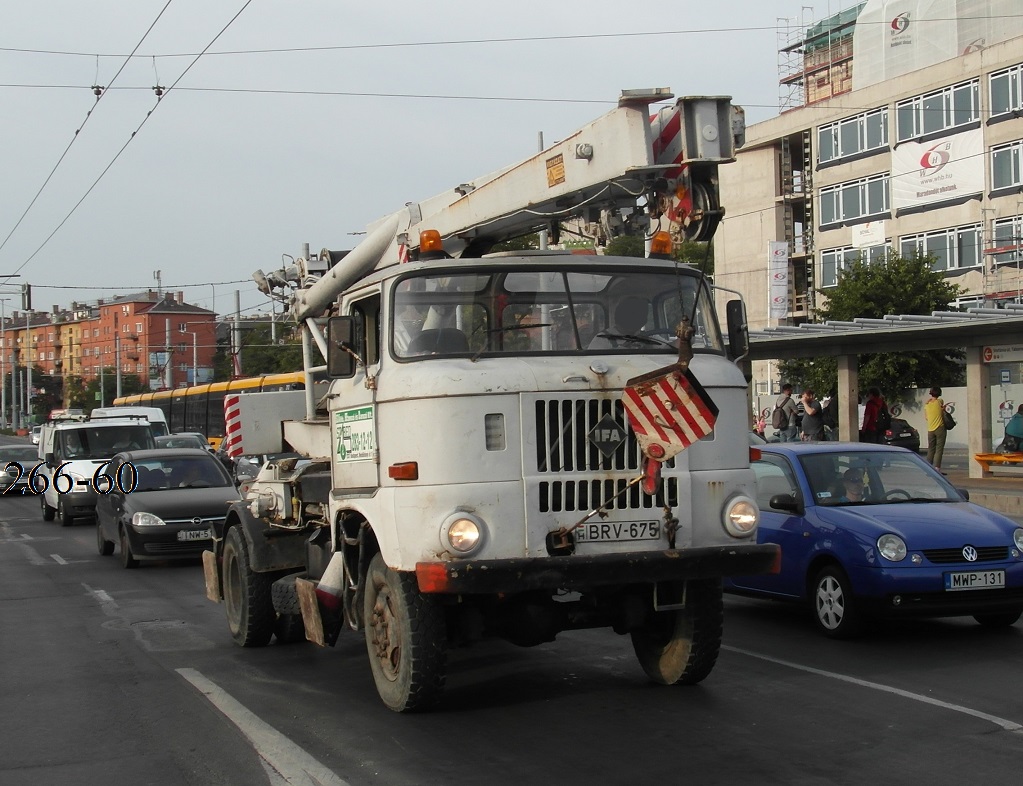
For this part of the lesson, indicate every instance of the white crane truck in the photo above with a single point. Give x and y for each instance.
(512, 444)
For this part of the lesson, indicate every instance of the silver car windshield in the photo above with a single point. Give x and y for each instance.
(523, 312)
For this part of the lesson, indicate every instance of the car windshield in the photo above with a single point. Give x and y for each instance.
(874, 477)
(97, 442)
(521, 312)
(179, 472)
(181, 441)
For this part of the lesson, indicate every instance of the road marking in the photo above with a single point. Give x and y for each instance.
(1008, 725)
(101, 596)
(58, 559)
(284, 761)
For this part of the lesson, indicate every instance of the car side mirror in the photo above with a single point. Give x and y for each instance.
(341, 352)
(785, 502)
(965, 493)
(49, 460)
(738, 329)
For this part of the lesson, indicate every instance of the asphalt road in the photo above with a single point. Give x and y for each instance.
(116, 676)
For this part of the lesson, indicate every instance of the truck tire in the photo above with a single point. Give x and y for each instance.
(288, 627)
(406, 639)
(680, 647)
(250, 611)
(49, 514)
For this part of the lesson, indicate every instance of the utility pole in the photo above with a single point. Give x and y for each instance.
(28, 365)
(117, 357)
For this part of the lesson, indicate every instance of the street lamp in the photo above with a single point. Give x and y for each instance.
(3, 367)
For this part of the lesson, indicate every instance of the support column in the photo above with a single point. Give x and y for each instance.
(978, 420)
(848, 398)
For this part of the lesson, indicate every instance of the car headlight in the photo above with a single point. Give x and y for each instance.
(892, 548)
(144, 519)
(1017, 538)
(741, 516)
(463, 533)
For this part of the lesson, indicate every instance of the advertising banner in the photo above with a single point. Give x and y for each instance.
(939, 170)
(778, 279)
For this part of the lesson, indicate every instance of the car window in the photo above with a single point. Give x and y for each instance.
(888, 476)
(774, 476)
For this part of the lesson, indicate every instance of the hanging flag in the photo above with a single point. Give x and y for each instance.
(669, 410)
(778, 275)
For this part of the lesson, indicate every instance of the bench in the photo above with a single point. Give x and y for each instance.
(986, 460)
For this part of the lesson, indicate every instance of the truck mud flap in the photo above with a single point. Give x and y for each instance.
(211, 574)
(321, 625)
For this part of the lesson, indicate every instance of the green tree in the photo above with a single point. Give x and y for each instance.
(898, 285)
(626, 246)
(260, 354)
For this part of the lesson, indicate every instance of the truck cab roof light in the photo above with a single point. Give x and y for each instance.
(661, 246)
(430, 242)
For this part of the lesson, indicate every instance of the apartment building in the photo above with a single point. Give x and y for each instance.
(905, 132)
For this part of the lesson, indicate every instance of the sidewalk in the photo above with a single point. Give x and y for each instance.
(1003, 492)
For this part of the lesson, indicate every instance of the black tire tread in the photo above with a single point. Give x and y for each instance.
(258, 626)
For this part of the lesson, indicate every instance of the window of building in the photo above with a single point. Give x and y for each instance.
(1007, 233)
(138, 327)
(138, 368)
(856, 199)
(952, 249)
(853, 135)
(1005, 165)
(1006, 90)
(835, 260)
(182, 327)
(950, 107)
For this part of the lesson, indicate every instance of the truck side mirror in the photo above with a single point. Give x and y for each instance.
(341, 352)
(738, 329)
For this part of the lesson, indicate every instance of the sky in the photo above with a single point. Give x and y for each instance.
(284, 123)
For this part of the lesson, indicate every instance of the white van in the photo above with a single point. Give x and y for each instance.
(157, 420)
(73, 453)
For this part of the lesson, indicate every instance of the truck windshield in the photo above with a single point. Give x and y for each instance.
(519, 311)
(95, 442)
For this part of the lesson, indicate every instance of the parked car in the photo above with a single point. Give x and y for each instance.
(16, 464)
(164, 504)
(902, 435)
(911, 546)
(184, 439)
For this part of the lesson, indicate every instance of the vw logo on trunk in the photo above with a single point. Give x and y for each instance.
(969, 553)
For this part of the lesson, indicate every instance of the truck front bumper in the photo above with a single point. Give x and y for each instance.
(484, 577)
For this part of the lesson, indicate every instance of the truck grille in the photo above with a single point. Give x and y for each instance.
(563, 447)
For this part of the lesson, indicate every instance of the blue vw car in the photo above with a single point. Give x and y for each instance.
(873, 531)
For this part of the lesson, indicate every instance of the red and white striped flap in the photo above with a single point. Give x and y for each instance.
(669, 410)
(232, 425)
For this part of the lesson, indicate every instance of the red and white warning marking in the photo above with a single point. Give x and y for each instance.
(669, 410)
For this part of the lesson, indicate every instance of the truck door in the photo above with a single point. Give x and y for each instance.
(353, 416)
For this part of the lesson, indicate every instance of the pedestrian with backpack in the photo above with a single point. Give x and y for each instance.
(876, 417)
(783, 418)
(934, 411)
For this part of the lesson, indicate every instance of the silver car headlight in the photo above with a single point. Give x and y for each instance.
(892, 547)
(1017, 538)
(463, 533)
(741, 516)
(147, 520)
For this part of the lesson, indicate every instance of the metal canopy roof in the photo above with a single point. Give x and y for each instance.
(894, 333)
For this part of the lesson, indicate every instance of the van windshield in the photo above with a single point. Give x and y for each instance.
(523, 311)
(94, 442)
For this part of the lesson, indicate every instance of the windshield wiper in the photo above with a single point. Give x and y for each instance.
(629, 337)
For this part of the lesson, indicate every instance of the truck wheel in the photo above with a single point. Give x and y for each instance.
(48, 513)
(250, 611)
(405, 636)
(66, 519)
(681, 646)
(288, 627)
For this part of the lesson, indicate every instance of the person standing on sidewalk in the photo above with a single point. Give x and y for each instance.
(934, 409)
(788, 406)
(871, 431)
(813, 418)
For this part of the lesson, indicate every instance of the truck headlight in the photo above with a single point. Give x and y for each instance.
(463, 533)
(741, 516)
(147, 520)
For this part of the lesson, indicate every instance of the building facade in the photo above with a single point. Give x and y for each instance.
(926, 156)
(158, 338)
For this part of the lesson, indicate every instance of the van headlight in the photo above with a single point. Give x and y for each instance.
(741, 516)
(462, 533)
